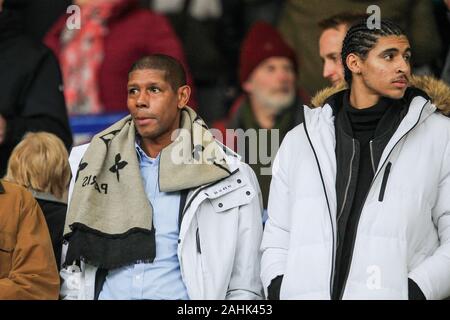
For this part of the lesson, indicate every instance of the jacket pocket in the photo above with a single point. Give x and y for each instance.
(384, 182)
(6, 250)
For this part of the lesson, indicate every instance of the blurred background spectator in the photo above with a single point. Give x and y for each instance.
(333, 30)
(40, 164)
(206, 35)
(31, 97)
(96, 58)
(27, 263)
(212, 32)
(271, 100)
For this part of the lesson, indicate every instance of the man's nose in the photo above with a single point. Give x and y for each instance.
(142, 100)
(285, 75)
(403, 66)
(327, 70)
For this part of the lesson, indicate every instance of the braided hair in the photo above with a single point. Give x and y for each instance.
(360, 40)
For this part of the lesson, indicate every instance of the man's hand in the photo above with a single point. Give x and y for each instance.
(2, 128)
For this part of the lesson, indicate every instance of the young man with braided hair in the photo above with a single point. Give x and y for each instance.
(359, 205)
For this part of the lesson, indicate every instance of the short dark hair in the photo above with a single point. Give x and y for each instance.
(347, 18)
(173, 69)
(360, 40)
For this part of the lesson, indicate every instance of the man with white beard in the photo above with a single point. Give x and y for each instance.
(271, 100)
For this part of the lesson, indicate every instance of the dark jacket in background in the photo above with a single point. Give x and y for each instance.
(31, 97)
(241, 117)
(39, 16)
(55, 216)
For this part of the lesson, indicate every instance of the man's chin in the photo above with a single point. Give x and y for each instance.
(338, 83)
(148, 135)
(280, 103)
(395, 94)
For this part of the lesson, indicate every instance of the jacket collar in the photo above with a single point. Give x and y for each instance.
(46, 196)
(427, 87)
(419, 108)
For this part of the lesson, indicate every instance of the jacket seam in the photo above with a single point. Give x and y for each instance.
(328, 205)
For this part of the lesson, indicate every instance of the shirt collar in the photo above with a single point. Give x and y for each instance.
(142, 156)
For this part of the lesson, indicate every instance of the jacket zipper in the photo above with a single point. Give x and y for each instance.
(329, 211)
(371, 156)
(188, 203)
(199, 248)
(193, 196)
(346, 189)
(348, 181)
(370, 187)
(384, 182)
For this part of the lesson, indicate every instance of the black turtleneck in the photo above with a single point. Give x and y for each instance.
(364, 123)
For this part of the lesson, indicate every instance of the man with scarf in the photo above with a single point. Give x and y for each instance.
(158, 208)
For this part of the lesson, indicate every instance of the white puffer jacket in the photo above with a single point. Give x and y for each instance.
(406, 235)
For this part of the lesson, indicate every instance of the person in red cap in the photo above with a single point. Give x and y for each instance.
(270, 99)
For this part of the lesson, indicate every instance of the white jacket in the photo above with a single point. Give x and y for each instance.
(407, 234)
(228, 218)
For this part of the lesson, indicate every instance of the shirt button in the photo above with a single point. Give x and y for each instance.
(247, 193)
(179, 240)
(220, 205)
(239, 180)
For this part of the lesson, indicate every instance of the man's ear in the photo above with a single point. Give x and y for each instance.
(184, 92)
(354, 62)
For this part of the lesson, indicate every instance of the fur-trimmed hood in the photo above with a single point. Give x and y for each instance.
(437, 90)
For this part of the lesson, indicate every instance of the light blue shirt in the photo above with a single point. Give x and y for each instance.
(160, 280)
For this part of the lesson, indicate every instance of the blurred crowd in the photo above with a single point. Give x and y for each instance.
(244, 58)
(249, 64)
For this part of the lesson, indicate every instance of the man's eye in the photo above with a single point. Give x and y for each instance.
(388, 56)
(407, 57)
(132, 91)
(154, 89)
